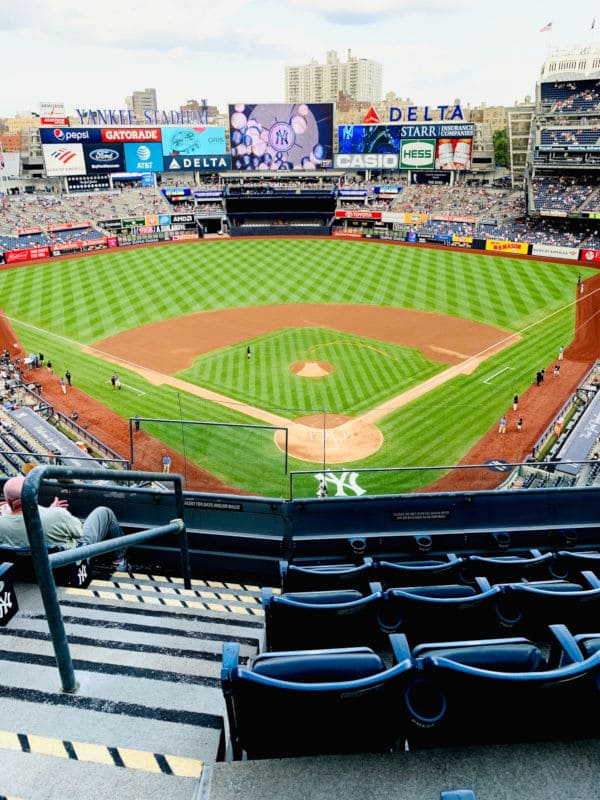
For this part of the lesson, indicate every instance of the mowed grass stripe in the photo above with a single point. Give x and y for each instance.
(89, 299)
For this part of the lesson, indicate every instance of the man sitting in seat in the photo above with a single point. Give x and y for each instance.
(60, 527)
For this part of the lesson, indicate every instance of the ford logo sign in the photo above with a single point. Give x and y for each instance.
(104, 154)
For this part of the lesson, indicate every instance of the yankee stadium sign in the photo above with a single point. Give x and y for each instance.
(108, 117)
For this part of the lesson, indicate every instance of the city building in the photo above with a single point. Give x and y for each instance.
(358, 78)
(139, 102)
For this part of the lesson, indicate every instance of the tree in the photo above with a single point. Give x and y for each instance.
(501, 155)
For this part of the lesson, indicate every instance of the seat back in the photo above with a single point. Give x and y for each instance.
(333, 618)
(424, 613)
(502, 690)
(312, 703)
(319, 577)
(411, 573)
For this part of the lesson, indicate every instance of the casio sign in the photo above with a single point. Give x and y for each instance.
(104, 154)
(366, 161)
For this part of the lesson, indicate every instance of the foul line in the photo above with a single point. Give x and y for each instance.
(495, 375)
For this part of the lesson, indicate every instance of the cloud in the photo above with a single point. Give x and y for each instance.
(373, 12)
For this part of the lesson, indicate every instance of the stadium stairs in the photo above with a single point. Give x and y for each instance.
(147, 719)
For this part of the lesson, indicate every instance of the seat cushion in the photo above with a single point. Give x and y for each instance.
(318, 667)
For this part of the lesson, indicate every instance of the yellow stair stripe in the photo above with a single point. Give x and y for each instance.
(181, 766)
(9, 741)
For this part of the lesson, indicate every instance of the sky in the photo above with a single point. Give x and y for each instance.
(93, 54)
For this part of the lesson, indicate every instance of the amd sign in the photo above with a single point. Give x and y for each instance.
(366, 161)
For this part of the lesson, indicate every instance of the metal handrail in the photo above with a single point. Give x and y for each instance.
(43, 562)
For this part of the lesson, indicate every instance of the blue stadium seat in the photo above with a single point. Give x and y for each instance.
(300, 703)
(529, 607)
(499, 690)
(446, 569)
(296, 578)
(506, 568)
(328, 618)
(427, 612)
(567, 565)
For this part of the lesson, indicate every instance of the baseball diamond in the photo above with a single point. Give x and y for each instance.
(410, 337)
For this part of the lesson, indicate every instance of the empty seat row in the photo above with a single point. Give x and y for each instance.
(532, 565)
(346, 617)
(440, 693)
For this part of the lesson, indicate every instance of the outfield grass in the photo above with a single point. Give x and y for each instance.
(58, 307)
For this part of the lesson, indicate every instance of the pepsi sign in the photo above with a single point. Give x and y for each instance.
(70, 135)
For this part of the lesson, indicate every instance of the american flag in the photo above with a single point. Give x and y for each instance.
(547, 27)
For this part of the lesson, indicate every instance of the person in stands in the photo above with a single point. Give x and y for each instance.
(60, 527)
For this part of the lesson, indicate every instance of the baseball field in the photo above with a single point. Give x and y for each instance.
(371, 355)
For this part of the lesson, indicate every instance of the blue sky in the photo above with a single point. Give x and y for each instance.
(93, 54)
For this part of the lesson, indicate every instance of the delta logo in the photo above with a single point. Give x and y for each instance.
(63, 154)
(371, 117)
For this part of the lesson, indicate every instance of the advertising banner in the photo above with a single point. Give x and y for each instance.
(404, 218)
(357, 214)
(366, 161)
(206, 141)
(433, 178)
(63, 159)
(143, 157)
(69, 226)
(70, 135)
(281, 136)
(500, 246)
(102, 159)
(10, 165)
(555, 251)
(147, 135)
(417, 154)
(591, 256)
(199, 163)
(453, 154)
(27, 254)
(368, 138)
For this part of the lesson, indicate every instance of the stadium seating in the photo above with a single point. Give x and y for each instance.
(424, 613)
(299, 703)
(499, 690)
(315, 577)
(331, 618)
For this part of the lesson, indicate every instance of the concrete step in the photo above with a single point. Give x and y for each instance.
(148, 714)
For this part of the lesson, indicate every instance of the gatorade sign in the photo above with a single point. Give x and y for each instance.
(417, 154)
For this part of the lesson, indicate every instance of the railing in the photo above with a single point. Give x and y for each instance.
(43, 562)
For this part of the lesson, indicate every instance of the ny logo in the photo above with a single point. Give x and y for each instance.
(5, 604)
(345, 480)
(82, 574)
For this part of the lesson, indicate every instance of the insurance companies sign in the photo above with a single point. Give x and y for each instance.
(417, 154)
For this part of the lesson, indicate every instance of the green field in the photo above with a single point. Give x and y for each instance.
(60, 306)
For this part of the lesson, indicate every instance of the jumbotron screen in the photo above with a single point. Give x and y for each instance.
(271, 136)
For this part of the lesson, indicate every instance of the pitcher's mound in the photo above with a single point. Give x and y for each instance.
(333, 438)
(311, 369)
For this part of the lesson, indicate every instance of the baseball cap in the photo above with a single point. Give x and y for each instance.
(13, 488)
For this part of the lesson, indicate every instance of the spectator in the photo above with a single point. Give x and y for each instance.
(59, 525)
